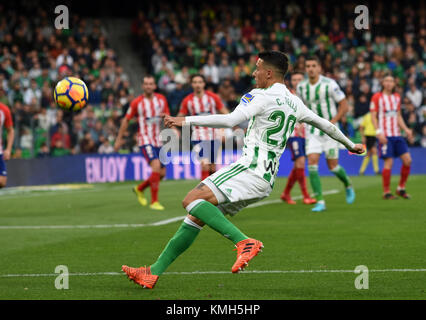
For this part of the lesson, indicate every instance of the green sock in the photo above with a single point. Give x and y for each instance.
(181, 241)
(214, 218)
(341, 174)
(364, 164)
(315, 181)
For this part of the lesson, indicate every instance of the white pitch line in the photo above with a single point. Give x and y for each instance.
(266, 202)
(98, 226)
(207, 272)
(153, 224)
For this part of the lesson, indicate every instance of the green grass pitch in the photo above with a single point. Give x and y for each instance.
(306, 256)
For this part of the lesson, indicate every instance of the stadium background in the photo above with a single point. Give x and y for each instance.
(94, 228)
(110, 45)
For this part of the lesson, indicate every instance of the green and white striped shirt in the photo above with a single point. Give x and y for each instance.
(322, 98)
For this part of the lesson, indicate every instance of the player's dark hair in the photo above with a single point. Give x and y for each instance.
(297, 72)
(276, 59)
(197, 75)
(313, 58)
(389, 74)
(148, 75)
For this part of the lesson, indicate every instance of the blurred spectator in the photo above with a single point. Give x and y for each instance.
(58, 149)
(414, 94)
(87, 145)
(61, 135)
(43, 152)
(105, 146)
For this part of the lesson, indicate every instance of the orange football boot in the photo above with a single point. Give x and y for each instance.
(287, 198)
(141, 276)
(309, 200)
(246, 250)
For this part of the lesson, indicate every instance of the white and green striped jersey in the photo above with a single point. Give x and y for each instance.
(322, 98)
(272, 114)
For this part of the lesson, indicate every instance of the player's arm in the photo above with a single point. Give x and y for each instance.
(220, 106)
(166, 112)
(339, 96)
(379, 134)
(403, 126)
(341, 111)
(374, 112)
(123, 127)
(10, 137)
(213, 121)
(329, 128)
(243, 112)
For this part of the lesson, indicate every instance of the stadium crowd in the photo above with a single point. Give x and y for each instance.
(33, 57)
(221, 41)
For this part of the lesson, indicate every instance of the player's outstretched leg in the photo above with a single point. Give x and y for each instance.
(182, 240)
(316, 187)
(247, 248)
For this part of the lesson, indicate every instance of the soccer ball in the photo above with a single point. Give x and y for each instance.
(71, 94)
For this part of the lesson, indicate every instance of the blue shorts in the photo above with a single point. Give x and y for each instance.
(395, 147)
(3, 172)
(151, 153)
(206, 149)
(297, 147)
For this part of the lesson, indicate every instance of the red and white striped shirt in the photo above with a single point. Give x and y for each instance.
(208, 104)
(5, 120)
(387, 107)
(148, 112)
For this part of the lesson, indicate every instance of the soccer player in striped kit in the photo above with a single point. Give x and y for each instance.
(5, 121)
(272, 112)
(148, 108)
(324, 97)
(296, 144)
(203, 140)
(385, 108)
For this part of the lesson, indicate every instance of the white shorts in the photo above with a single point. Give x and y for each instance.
(236, 186)
(319, 144)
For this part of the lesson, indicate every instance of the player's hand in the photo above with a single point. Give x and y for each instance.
(173, 121)
(6, 155)
(409, 133)
(117, 145)
(358, 149)
(382, 138)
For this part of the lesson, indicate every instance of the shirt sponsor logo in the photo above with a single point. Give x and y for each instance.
(247, 98)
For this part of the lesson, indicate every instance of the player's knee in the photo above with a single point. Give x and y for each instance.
(156, 165)
(407, 161)
(187, 200)
(2, 183)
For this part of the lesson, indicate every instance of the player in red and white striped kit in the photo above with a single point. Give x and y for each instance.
(204, 140)
(5, 121)
(296, 144)
(386, 115)
(148, 108)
